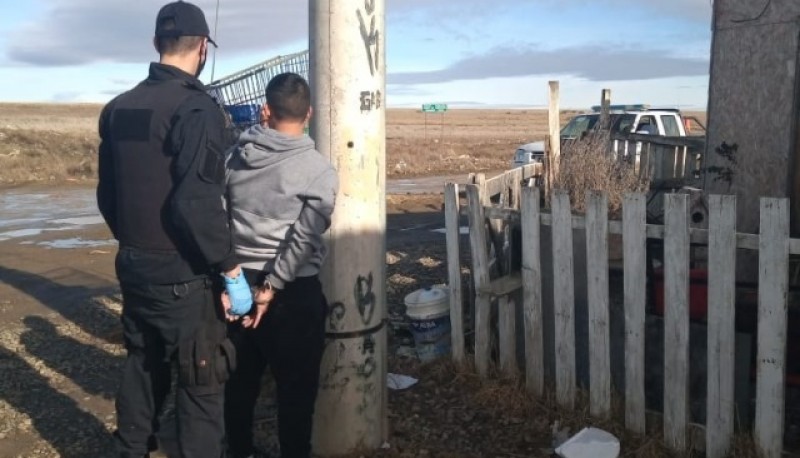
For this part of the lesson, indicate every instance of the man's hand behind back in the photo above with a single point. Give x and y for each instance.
(262, 299)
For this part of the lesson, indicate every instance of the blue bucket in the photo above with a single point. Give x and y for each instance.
(428, 311)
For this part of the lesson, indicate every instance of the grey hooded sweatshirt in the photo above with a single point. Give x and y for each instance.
(280, 197)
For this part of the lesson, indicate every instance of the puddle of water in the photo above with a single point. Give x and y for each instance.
(75, 242)
(414, 228)
(30, 232)
(20, 222)
(79, 221)
(463, 230)
(19, 233)
(67, 203)
(30, 213)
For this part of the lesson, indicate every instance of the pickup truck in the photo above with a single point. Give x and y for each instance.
(640, 119)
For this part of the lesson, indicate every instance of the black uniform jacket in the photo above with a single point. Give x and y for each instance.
(161, 179)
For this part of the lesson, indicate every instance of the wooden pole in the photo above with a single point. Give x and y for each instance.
(453, 228)
(721, 326)
(563, 298)
(480, 274)
(773, 283)
(347, 76)
(634, 240)
(605, 109)
(532, 291)
(599, 314)
(676, 322)
(555, 133)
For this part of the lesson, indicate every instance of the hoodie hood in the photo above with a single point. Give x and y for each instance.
(261, 146)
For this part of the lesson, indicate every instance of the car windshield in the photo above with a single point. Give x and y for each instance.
(578, 125)
(623, 123)
(583, 123)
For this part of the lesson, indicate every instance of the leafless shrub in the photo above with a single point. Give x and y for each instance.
(588, 164)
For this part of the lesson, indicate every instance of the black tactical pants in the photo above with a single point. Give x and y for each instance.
(290, 341)
(163, 325)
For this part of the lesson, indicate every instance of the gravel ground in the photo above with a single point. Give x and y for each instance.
(58, 383)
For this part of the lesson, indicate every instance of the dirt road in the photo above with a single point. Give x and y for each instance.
(60, 349)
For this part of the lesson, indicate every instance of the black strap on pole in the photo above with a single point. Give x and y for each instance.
(356, 334)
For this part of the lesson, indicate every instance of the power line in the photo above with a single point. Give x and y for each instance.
(214, 55)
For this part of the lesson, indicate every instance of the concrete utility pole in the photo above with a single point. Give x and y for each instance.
(347, 76)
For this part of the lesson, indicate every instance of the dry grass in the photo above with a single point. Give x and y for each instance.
(417, 157)
(28, 155)
(510, 398)
(504, 399)
(48, 142)
(417, 144)
(459, 141)
(66, 118)
(39, 140)
(587, 165)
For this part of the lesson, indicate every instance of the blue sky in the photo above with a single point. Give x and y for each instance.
(461, 52)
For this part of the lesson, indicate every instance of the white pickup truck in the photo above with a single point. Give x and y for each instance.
(624, 119)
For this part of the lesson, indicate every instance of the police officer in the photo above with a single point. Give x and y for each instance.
(161, 182)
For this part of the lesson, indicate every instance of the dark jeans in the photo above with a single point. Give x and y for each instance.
(290, 341)
(158, 320)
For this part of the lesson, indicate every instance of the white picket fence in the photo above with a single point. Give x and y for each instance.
(773, 245)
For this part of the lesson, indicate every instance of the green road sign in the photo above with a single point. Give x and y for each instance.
(434, 107)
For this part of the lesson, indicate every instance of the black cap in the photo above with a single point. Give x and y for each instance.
(188, 18)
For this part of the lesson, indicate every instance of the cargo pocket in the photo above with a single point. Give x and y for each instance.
(196, 363)
(226, 361)
(186, 363)
(203, 363)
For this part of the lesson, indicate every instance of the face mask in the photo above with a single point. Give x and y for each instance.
(201, 64)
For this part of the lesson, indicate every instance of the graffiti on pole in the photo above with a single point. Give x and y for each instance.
(365, 298)
(367, 368)
(371, 100)
(370, 36)
(336, 316)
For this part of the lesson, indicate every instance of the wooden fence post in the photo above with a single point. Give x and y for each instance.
(553, 140)
(480, 181)
(532, 291)
(676, 321)
(597, 289)
(554, 124)
(605, 109)
(634, 240)
(773, 279)
(721, 325)
(564, 299)
(516, 188)
(453, 230)
(480, 265)
(506, 318)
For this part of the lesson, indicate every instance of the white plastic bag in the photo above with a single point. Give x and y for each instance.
(590, 443)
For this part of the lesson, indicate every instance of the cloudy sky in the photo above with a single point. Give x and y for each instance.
(462, 52)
